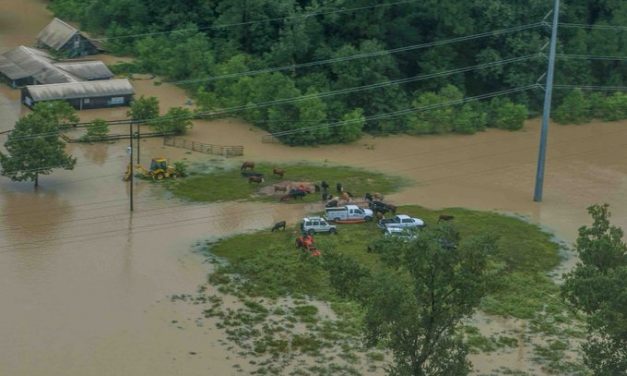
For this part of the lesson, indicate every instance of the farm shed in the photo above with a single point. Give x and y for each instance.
(82, 95)
(26, 66)
(87, 70)
(62, 37)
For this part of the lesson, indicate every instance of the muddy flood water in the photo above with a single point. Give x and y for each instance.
(85, 285)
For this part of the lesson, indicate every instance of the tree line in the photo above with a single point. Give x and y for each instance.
(230, 37)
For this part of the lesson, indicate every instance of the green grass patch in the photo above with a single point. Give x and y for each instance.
(226, 185)
(271, 265)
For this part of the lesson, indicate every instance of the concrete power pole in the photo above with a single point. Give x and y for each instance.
(130, 162)
(548, 92)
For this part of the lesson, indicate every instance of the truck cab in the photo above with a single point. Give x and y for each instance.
(348, 213)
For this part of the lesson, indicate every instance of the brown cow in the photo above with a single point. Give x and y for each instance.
(248, 165)
(278, 188)
(255, 179)
(278, 171)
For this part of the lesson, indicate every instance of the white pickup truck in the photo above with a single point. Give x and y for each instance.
(401, 221)
(348, 213)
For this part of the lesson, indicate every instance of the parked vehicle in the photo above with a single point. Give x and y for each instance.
(314, 225)
(349, 214)
(405, 234)
(401, 221)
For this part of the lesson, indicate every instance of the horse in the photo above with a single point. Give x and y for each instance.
(278, 188)
(379, 215)
(377, 196)
(316, 188)
(325, 196)
(324, 185)
(255, 179)
(278, 171)
(278, 225)
(368, 197)
(445, 217)
(248, 165)
(339, 187)
(285, 197)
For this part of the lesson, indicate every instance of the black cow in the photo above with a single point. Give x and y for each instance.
(279, 225)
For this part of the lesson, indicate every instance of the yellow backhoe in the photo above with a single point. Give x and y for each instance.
(159, 170)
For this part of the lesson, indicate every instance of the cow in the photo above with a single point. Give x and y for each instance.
(278, 188)
(278, 171)
(346, 197)
(445, 217)
(324, 185)
(278, 225)
(255, 179)
(331, 204)
(339, 187)
(248, 165)
(368, 197)
(316, 188)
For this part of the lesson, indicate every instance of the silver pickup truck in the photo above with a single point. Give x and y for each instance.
(401, 221)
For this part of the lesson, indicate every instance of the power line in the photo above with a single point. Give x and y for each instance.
(591, 57)
(365, 55)
(592, 87)
(224, 26)
(594, 27)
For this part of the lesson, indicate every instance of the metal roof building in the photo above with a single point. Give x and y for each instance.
(25, 65)
(87, 70)
(63, 37)
(82, 95)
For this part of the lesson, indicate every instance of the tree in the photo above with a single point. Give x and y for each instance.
(597, 287)
(575, 109)
(96, 130)
(417, 304)
(59, 112)
(34, 148)
(144, 108)
(177, 120)
(505, 114)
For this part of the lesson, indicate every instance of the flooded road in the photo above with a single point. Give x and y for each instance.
(85, 284)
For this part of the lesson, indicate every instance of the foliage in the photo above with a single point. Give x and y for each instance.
(60, 113)
(597, 287)
(144, 108)
(177, 120)
(416, 309)
(193, 42)
(96, 130)
(181, 168)
(575, 109)
(34, 148)
(505, 114)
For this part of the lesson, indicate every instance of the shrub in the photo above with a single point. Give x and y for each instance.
(96, 130)
(575, 109)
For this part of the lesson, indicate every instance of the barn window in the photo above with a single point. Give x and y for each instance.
(86, 100)
(116, 100)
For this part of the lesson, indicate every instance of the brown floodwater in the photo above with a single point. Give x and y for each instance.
(85, 284)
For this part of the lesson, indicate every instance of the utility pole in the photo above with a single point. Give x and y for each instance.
(130, 161)
(548, 92)
(138, 143)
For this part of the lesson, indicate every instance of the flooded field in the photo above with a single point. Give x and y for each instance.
(86, 285)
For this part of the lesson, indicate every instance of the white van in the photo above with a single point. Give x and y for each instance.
(348, 213)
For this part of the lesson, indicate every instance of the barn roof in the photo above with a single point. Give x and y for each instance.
(56, 34)
(22, 62)
(85, 89)
(87, 70)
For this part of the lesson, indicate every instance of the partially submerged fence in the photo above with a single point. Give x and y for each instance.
(226, 151)
(112, 137)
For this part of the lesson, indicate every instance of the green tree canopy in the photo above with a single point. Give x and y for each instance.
(34, 148)
(144, 108)
(597, 287)
(416, 305)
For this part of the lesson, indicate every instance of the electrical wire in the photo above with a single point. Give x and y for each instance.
(594, 27)
(591, 57)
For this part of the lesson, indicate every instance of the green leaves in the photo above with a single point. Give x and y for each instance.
(34, 148)
(597, 287)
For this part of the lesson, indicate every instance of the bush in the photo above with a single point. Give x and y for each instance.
(506, 115)
(575, 109)
(614, 107)
(96, 130)
(177, 120)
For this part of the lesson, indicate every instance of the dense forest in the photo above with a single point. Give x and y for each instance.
(364, 65)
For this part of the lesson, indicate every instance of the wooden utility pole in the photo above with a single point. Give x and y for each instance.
(130, 162)
(548, 92)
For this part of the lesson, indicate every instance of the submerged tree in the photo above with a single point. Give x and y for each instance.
(597, 287)
(34, 148)
(416, 309)
(144, 109)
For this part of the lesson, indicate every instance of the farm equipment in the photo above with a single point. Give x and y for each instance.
(159, 170)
